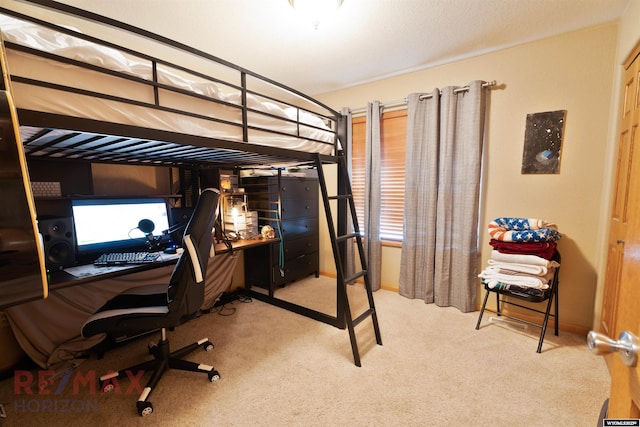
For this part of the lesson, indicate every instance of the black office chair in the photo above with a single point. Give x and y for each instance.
(152, 307)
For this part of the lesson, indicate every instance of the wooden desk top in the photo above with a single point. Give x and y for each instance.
(243, 244)
(80, 274)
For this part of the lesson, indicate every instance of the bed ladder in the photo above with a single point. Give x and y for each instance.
(339, 242)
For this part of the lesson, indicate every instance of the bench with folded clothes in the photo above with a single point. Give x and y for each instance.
(522, 260)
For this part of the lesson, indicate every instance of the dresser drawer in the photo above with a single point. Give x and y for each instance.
(299, 227)
(296, 208)
(294, 248)
(297, 268)
(298, 188)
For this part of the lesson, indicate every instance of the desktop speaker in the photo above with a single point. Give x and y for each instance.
(59, 242)
(179, 219)
(180, 215)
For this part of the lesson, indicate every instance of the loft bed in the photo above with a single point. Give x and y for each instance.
(80, 97)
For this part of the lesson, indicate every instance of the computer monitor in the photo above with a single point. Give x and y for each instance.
(103, 225)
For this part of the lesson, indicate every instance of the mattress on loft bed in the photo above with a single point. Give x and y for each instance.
(315, 134)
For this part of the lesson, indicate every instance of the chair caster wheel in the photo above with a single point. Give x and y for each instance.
(106, 386)
(214, 376)
(208, 346)
(152, 346)
(144, 408)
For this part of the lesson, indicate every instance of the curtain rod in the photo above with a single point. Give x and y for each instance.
(403, 102)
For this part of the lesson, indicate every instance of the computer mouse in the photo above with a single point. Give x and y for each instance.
(171, 250)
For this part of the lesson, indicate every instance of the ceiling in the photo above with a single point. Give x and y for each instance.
(365, 40)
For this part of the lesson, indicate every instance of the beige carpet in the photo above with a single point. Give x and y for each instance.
(280, 368)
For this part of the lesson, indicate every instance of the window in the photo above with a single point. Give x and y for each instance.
(392, 152)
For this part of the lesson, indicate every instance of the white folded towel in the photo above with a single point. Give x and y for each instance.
(492, 278)
(522, 259)
(507, 270)
(521, 268)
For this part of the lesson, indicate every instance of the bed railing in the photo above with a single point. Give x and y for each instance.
(235, 104)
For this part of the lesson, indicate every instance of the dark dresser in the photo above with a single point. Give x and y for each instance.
(291, 208)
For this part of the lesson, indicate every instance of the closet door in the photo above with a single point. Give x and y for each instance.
(621, 303)
(623, 201)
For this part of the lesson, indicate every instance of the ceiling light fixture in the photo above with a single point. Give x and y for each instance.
(316, 11)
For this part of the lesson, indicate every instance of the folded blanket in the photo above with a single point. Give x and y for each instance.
(522, 268)
(506, 271)
(509, 229)
(528, 281)
(545, 250)
(522, 259)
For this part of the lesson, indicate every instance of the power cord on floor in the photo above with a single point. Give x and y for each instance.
(245, 299)
(225, 309)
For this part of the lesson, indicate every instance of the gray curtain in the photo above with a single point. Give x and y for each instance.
(439, 260)
(372, 244)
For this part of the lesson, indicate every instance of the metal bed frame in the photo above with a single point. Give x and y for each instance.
(60, 136)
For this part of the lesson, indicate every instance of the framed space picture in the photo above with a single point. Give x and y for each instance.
(543, 142)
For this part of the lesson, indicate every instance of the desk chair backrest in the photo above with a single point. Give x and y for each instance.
(186, 286)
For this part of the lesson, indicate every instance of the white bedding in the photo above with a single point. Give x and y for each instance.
(78, 105)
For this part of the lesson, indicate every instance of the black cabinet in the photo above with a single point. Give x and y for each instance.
(290, 205)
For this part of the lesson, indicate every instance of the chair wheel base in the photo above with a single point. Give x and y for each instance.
(144, 408)
(214, 376)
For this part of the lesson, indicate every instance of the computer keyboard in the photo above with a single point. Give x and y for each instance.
(122, 258)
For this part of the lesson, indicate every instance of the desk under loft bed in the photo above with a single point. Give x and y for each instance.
(88, 99)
